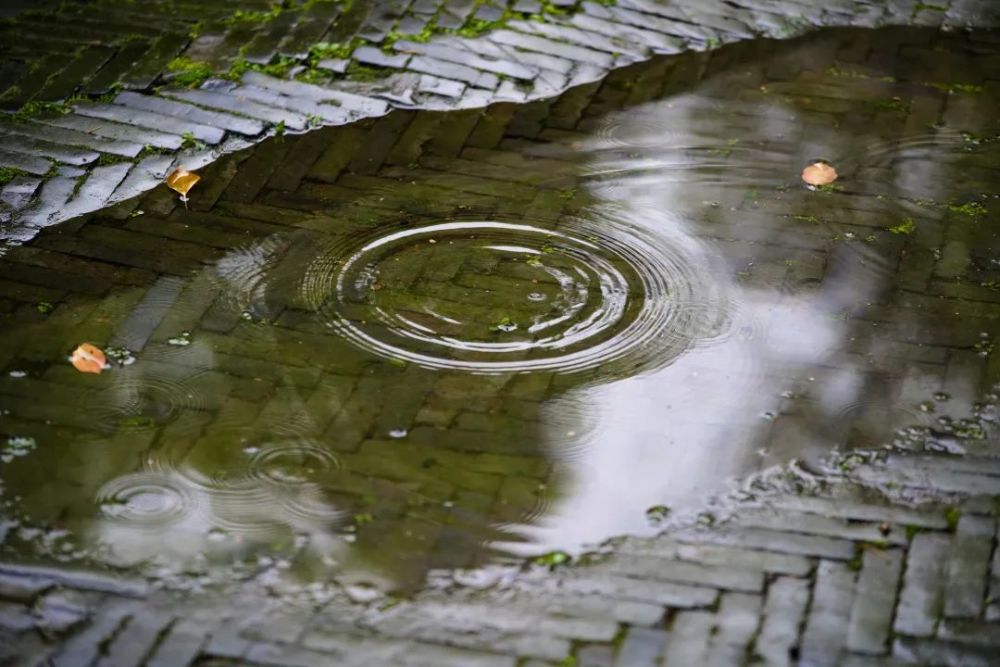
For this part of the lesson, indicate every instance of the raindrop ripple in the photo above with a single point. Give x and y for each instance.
(464, 295)
(144, 499)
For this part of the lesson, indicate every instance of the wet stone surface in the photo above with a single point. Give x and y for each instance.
(100, 88)
(369, 367)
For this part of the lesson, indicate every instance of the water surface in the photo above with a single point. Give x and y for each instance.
(518, 339)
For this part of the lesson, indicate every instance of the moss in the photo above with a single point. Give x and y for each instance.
(341, 50)
(149, 149)
(837, 71)
(109, 97)
(196, 30)
(972, 142)
(475, 27)
(725, 151)
(907, 226)
(855, 562)
(952, 88)
(106, 160)
(189, 73)
(12, 93)
(423, 36)
(312, 75)
(188, 141)
(588, 558)
(972, 209)
(895, 105)
(136, 423)
(357, 72)
(952, 516)
(553, 559)
(236, 70)
(243, 17)
(7, 174)
(549, 8)
(34, 109)
(279, 68)
(390, 40)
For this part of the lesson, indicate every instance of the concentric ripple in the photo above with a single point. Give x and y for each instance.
(143, 499)
(293, 464)
(244, 279)
(500, 297)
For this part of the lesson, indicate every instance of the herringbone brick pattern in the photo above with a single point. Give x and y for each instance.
(130, 118)
(878, 557)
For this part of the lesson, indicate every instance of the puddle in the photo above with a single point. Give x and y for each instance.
(503, 297)
(416, 358)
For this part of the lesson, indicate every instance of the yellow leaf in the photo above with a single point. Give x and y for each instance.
(181, 180)
(819, 173)
(88, 359)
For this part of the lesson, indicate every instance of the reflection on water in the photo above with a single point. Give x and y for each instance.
(381, 370)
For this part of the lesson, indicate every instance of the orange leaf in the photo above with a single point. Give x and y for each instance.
(88, 359)
(181, 180)
(819, 173)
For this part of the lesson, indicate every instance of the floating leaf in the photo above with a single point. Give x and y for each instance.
(88, 359)
(819, 173)
(181, 181)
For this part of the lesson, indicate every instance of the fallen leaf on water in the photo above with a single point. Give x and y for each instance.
(181, 180)
(88, 359)
(819, 173)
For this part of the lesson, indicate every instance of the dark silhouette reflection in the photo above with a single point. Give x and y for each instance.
(431, 340)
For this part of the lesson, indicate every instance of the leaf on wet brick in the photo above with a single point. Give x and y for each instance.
(88, 358)
(181, 181)
(819, 173)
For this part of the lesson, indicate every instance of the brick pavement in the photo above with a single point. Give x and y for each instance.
(112, 107)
